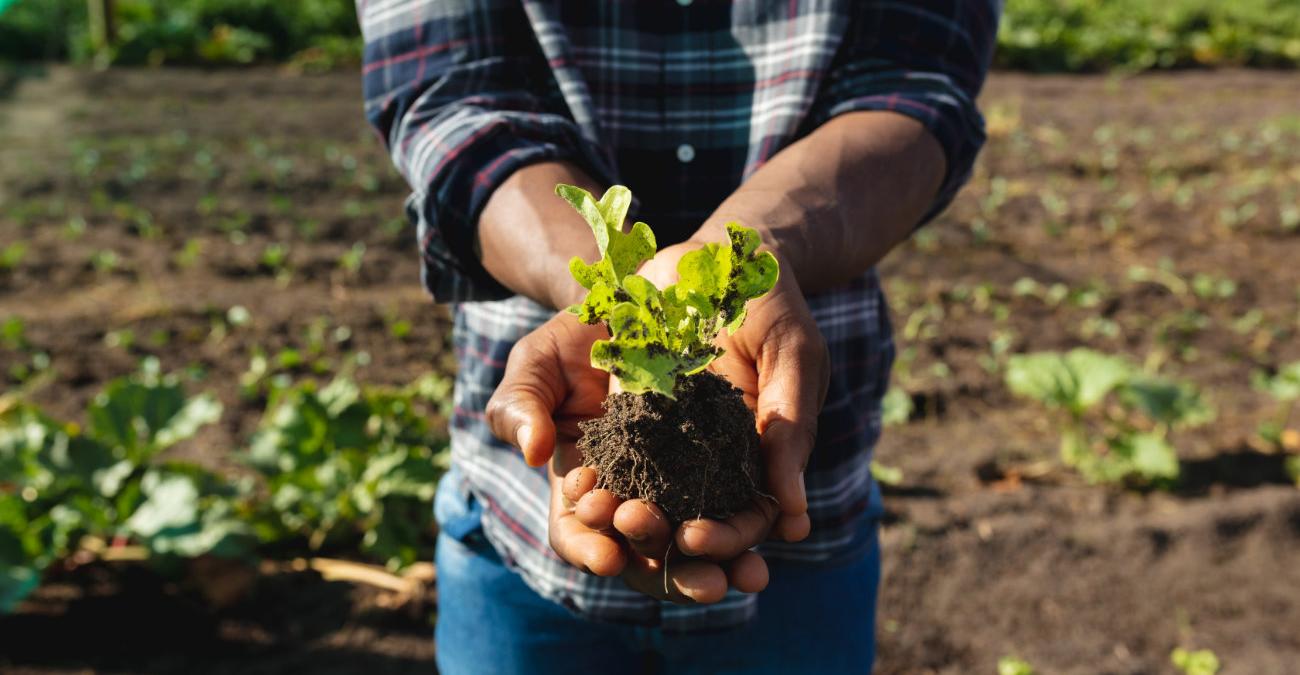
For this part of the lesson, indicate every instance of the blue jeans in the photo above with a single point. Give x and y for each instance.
(811, 619)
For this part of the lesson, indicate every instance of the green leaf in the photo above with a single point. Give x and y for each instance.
(1292, 466)
(197, 412)
(621, 254)
(896, 408)
(139, 418)
(1171, 403)
(886, 475)
(658, 336)
(1076, 380)
(1200, 662)
(172, 503)
(1284, 386)
(1010, 665)
(178, 518)
(16, 583)
(1152, 457)
(752, 274)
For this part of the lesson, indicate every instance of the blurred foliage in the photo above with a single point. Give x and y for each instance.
(338, 460)
(341, 465)
(1093, 35)
(1199, 662)
(1117, 419)
(1038, 35)
(159, 32)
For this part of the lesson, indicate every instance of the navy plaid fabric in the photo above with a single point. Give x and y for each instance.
(681, 101)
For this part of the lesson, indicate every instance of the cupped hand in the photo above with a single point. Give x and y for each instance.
(778, 359)
(548, 387)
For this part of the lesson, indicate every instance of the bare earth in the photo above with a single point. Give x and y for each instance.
(991, 548)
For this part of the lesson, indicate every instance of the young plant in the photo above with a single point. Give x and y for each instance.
(343, 462)
(63, 485)
(660, 335)
(1283, 387)
(676, 435)
(1011, 665)
(1199, 662)
(1124, 442)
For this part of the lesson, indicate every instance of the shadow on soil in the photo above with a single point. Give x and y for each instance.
(12, 74)
(1241, 468)
(133, 620)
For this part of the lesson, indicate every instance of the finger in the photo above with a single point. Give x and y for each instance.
(579, 482)
(687, 581)
(590, 551)
(748, 573)
(791, 528)
(596, 509)
(520, 409)
(726, 539)
(792, 384)
(645, 527)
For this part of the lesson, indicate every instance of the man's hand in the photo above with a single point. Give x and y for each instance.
(548, 387)
(778, 359)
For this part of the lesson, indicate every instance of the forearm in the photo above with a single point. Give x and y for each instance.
(834, 203)
(526, 234)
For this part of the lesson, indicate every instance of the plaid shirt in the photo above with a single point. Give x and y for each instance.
(681, 101)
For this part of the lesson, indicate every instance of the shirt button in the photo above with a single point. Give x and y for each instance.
(685, 153)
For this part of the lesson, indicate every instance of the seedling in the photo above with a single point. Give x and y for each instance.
(696, 453)
(1199, 662)
(1283, 387)
(659, 336)
(12, 255)
(1125, 441)
(1011, 665)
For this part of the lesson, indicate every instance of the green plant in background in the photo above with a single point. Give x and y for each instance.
(339, 464)
(1041, 35)
(1125, 440)
(229, 32)
(341, 461)
(657, 336)
(1011, 665)
(1200, 662)
(64, 484)
(1090, 35)
(1284, 387)
(896, 407)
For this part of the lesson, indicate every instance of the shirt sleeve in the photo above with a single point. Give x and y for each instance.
(462, 96)
(926, 59)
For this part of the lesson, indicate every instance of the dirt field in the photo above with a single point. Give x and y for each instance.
(151, 202)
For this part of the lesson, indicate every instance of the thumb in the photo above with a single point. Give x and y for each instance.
(520, 409)
(793, 375)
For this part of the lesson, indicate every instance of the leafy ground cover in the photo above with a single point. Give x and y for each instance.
(244, 230)
(1037, 35)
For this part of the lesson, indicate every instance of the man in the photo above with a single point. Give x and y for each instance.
(832, 127)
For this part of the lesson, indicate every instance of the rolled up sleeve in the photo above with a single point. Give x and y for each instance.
(925, 59)
(462, 96)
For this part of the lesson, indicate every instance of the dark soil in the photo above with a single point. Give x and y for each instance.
(695, 456)
(990, 547)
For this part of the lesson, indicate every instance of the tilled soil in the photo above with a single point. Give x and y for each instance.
(151, 202)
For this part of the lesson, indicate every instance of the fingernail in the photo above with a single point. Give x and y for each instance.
(803, 490)
(686, 590)
(524, 436)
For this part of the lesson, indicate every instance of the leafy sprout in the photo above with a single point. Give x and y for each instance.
(660, 335)
(1126, 442)
(1199, 662)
